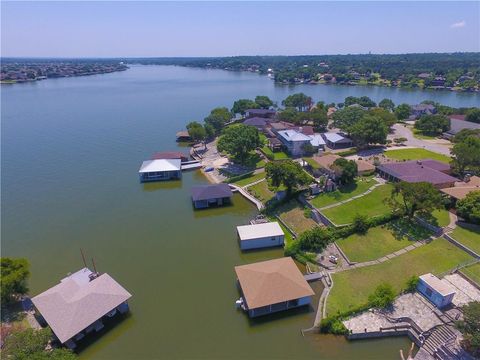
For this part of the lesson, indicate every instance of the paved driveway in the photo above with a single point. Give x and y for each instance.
(438, 145)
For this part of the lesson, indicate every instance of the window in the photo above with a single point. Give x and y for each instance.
(428, 291)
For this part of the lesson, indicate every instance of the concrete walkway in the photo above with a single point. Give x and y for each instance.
(249, 197)
(254, 183)
(453, 223)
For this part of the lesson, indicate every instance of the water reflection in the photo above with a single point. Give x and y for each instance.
(162, 185)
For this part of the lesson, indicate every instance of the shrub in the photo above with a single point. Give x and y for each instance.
(239, 177)
(316, 239)
(14, 275)
(469, 207)
(470, 328)
(307, 212)
(382, 297)
(412, 283)
(360, 224)
(333, 325)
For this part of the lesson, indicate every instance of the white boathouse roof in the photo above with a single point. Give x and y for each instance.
(258, 231)
(160, 165)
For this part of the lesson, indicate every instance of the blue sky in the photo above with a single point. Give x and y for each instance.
(108, 29)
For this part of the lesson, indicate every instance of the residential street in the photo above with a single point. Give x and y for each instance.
(438, 145)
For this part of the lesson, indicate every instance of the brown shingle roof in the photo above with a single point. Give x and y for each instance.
(462, 189)
(363, 165)
(270, 282)
(326, 161)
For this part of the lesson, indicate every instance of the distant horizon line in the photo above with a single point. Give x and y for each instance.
(228, 56)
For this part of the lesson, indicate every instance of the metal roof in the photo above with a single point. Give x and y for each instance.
(215, 191)
(160, 165)
(335, 137)
(293, 135)
(257, 231)
(316, 140)
(77, 302)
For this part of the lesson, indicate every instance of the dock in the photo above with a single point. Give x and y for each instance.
(314, 276)
(191, 165)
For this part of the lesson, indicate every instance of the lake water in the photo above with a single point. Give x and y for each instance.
(71, 149)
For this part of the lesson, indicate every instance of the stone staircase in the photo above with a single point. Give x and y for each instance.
(435, 342)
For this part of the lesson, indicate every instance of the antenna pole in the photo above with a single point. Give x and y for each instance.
(83, 258)
(94, 267)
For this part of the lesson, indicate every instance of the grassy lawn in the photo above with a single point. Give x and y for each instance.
(376, 243)
(278, 155)
(261, 191)
(343, 193)
(415, 154)
(437, 217)
(419, 135)
(473, 272)
(250, 179)
(410, 227)
(293, 215)
(370, 205)
(469, 238)
(351, 288)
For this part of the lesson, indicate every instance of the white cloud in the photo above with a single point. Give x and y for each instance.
(459, 24)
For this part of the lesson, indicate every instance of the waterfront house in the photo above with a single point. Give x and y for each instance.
(258, 122)
(422, 109)
(457, 124)
(272, 286)
(439, 292)
(204, 196)
(274, 144)
(170, 155)
(160, 169)
(79, 304)
(337, 140)
(325, 165)
(260, 235)
(275, 127)
(462, 188)
(263, 113)
(432, 171)
(317, 141)
(293, 141)
(364, 167)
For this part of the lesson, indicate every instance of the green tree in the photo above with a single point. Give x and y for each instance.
(369, 130)
(209, 131)
(319, 119)
(14, 275)
(300, 101)
(360, 224)
(242, 105)
(433, 124)
(473, 115)
(403, 111)
(469, 207)
(387, 104)
(413, 197)
(388, 117)
(289, 115)
(466, 155)
(196, 131)
(315, 239)
(344, 119)
(383, 296)
(347, 169)
(364, 101)
(264, 102)
(470, 328)
(239, 140)
(287, 173)
(217, 118)
(464, 133)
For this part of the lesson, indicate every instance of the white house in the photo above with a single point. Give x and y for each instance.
(272, 286)
(160, 169)
(336, 140)
(260, 235)
(294, 141)
(439, 292)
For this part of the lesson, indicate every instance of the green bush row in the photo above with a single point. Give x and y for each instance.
(348, 152)
(239, 177)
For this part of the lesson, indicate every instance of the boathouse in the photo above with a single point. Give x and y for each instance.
(171, 155)
(260, 235)
(160, 169)
(272, 286)
(78, 304)
(439, 292)
(204, 196)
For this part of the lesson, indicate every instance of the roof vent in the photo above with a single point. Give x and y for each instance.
(419, 162)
